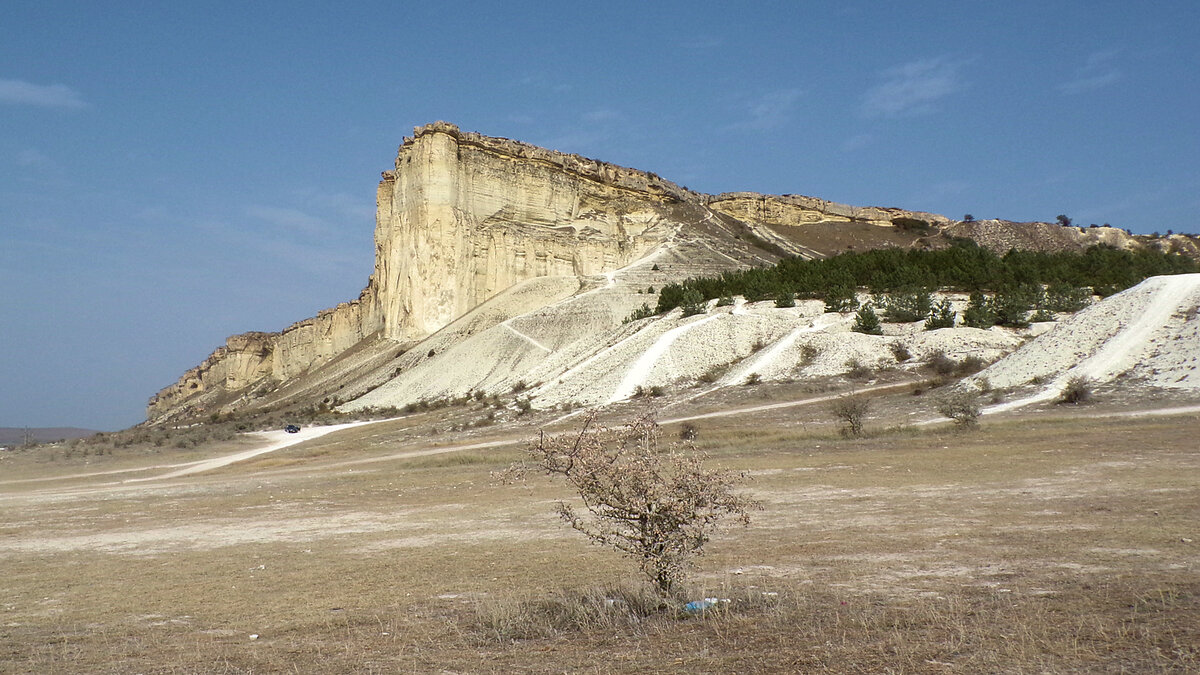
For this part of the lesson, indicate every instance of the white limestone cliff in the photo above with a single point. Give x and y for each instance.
(463, 218)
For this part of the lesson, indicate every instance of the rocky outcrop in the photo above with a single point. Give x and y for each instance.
(463, 218)
(1002, 235)
(797, 210)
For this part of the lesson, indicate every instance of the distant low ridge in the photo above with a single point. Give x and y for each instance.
(14, 436)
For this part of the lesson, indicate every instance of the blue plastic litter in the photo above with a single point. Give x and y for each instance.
(697, 606)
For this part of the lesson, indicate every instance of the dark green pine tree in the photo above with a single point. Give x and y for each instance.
(979, 312)
(941, 316)
(840, 299)
(866, 321)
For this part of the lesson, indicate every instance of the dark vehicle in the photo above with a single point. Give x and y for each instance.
(292, 429)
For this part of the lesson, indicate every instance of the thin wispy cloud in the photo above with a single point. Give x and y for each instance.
(1096, 73)
(288, 219)
(769, 111)
(19, 92)
(913, 88)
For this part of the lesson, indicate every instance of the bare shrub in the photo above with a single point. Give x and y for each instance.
(753, 379)
(656, 505)
(852, 411)
(1078, 390)
(961, 407)
(688, 432)
(713, 374)
(939, 363)
(969, 365)
(900, 352)
(856, 370)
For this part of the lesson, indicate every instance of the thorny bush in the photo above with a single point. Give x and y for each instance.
(658, 505)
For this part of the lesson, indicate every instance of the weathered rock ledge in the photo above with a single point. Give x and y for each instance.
(463, 217)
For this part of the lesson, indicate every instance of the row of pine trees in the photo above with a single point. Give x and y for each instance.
(1008, 290)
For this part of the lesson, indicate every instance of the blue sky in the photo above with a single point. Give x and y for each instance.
(173, 173)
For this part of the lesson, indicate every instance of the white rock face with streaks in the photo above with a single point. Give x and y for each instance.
(499, 263)
(464, 217)
(1149, 333)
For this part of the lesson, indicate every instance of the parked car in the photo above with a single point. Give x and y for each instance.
(292, 429)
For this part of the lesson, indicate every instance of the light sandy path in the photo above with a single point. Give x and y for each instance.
(523, 336)
(641, 368)
(317, 432)
(277, 441)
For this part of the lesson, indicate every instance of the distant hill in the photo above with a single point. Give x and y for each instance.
(10, 436)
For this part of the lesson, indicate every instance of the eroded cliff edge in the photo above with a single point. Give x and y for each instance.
(461, 218)
(464, 217)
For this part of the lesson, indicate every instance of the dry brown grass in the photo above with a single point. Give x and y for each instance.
(1029, 546)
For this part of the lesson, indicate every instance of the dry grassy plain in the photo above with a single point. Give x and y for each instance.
(1037, 544)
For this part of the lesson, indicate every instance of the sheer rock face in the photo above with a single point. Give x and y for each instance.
(465, 216)
(461, 218)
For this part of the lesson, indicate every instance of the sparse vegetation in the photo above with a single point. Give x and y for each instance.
(905, 224)
(969, 365)
(643, 312)
(851, 411)
(484, 580)
(656, 505)
(942, 315)
(688, 432)
(939, 363)
(692, 303)
(713, 374)
(524, 406)
(866, 321)
(960, 406)
(655, 391)
(1079, 389)
(857, 370)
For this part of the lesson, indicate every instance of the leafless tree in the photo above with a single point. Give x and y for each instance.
(658, 505)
